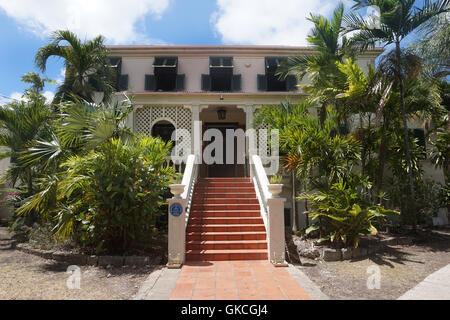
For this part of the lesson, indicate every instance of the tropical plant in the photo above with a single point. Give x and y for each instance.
(397, 20)
(276, 179)
(282, 118)
(101, 185)
(342, 215)
(327, 39)
(434, 47)
(81, 127)
(440, 147)
(87, 65)
(22, 122)
(319, 154)
(115, 192)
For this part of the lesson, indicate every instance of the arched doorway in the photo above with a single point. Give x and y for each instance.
(163, 129)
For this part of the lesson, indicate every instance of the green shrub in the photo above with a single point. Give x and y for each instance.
(111, 197)
(341, 215)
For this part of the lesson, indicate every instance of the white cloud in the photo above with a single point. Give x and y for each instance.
(17, 96)
(62, 75)
(49, 95)
(119, 21)
(268, 22)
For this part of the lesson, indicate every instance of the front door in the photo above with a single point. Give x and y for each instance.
(223, 169)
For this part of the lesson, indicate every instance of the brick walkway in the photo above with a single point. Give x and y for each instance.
(236, 280)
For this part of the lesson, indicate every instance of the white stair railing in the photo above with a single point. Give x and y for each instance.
(272, 211)
(189, 179)
(179, 209)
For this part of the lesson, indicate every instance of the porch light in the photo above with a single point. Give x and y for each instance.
(222, 114)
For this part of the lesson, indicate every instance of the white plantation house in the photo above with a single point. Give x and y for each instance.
(223, 210)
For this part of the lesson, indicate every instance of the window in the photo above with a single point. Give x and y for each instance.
(120, 80)
(270, 81)
(165, 76)
(164, 130)
(221, 77)
(419, 135)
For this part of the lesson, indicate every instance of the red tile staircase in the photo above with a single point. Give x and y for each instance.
(225, 222)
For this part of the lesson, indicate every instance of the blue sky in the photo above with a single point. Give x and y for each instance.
(27, 24)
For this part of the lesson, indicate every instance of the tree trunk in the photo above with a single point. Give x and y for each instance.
(381, 158)
(29, 182)
(406, 135)
(294, 202)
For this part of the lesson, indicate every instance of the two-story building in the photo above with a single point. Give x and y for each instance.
(227, 207)
(221, 86)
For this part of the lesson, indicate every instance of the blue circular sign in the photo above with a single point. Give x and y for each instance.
(176, 209)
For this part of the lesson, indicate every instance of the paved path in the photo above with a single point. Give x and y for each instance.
(435, 287)
(229, 280)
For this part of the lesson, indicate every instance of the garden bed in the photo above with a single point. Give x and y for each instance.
(91, 260)
(401, 267)
(309, 248)
(38, 241)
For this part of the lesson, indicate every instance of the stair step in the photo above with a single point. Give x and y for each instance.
(225, 184)
(225, 255)
(226, 245)
(234, 206)
(225, 213)
(225, 228)
(226, 236)
(215, 189)
(224, 179)
(222, 195)
(195, 220)
(198, 200)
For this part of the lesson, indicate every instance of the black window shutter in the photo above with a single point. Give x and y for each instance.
(291, 83)
(236, 82)
(123, 82)
(180, 82)
(419, 134)
(206, 82)
(262, 82)
(150, 82)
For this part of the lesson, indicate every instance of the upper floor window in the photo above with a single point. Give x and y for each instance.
(119, 80)
(221, 76)
(271, 82)
(165, 75)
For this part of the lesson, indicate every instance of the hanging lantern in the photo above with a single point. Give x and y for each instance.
(222, 114)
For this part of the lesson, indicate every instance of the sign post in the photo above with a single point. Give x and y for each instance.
(177, 232)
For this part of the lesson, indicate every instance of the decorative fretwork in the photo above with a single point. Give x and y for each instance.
(147, 116)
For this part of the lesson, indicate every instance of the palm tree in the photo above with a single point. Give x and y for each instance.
(282, 118)
(434, 47)
(21, 122)
(326, 38)
(397, 20)
(87, 65)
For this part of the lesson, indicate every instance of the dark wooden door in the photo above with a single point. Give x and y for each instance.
(219, 170)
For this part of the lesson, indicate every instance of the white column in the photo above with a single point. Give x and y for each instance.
(196, 131)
